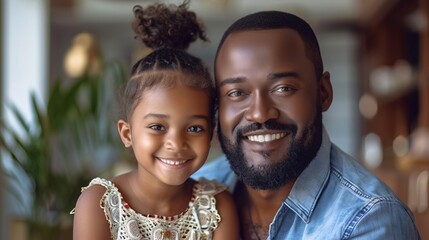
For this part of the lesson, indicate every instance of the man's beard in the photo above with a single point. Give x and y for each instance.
(272, 176)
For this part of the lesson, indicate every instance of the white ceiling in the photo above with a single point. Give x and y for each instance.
(211, 10)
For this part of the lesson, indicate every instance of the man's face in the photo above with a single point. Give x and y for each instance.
(270, 106)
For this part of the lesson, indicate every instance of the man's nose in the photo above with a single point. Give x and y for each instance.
(261, 109)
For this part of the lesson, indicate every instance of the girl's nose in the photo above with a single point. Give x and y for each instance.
(175, 141)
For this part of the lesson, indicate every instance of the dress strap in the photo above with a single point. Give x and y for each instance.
(100, 181)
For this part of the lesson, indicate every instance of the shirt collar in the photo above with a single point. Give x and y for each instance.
(309, 185)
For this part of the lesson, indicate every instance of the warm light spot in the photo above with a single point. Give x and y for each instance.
(368, 106)
(82, 56)
(76, 61)
(400, 146)
(372, 150)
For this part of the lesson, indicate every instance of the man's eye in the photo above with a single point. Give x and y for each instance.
(235, 93)
(196, 129)
(157, 127)
(283, 89)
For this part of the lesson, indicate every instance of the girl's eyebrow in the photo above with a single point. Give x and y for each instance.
(201, 117)
(274, 76)
(155, 115)
(164, 116)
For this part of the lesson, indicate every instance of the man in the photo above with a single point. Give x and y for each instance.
(288, 180)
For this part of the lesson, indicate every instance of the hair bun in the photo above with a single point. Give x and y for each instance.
(172, 26)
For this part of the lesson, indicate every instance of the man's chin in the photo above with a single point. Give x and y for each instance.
(257, 160)
(264, 159)
(261, 178)
(266, 170)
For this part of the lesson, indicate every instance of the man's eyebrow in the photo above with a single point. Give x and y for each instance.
(274, 76)
(231, 81)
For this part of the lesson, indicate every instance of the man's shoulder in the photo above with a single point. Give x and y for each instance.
(356, 177)
(218, 169)
(354, 199)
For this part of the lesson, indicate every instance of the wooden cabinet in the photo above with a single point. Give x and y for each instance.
(395, 45)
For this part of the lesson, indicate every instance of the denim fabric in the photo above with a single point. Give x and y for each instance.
(334, 198)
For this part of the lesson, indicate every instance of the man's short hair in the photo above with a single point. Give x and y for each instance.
(274, 20)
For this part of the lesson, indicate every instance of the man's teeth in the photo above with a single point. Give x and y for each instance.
(173, 163)
(266, 137)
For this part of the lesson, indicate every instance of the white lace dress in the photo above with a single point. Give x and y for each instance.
(198, 221)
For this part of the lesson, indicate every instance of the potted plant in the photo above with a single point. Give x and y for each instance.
(70, 139)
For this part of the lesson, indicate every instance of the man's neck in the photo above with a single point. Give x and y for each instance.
(257, 208)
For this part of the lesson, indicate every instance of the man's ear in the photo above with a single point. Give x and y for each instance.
(124, 130)
(326, 91)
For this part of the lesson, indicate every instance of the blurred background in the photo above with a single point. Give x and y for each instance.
(63, 63)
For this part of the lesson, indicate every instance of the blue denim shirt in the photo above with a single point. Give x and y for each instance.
(334, 198)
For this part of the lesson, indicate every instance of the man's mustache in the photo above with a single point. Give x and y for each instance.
(268, 125)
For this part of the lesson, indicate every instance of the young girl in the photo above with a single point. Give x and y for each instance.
(168, 122)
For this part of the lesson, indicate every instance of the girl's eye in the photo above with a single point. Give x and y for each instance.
(196, 129)
(157, 127)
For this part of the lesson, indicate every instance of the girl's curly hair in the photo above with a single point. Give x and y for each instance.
(161, 25)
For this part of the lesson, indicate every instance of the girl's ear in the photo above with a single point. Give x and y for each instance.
(125, 133)
(326, 92)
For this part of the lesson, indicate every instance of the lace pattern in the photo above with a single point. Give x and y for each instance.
(197, 222)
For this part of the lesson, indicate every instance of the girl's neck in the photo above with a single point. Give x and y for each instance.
(153, 197)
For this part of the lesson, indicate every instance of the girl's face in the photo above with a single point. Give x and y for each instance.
(169, 132)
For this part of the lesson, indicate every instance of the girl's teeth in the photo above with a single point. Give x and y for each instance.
(173, 163)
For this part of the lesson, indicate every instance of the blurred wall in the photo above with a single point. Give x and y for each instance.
(342, 120)
(24, 50)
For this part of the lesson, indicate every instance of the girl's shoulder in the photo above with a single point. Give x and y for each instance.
(89, 217)
(97, 191)
(111, 196)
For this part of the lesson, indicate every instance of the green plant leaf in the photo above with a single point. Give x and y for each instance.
(68, 132)
(19, 117)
